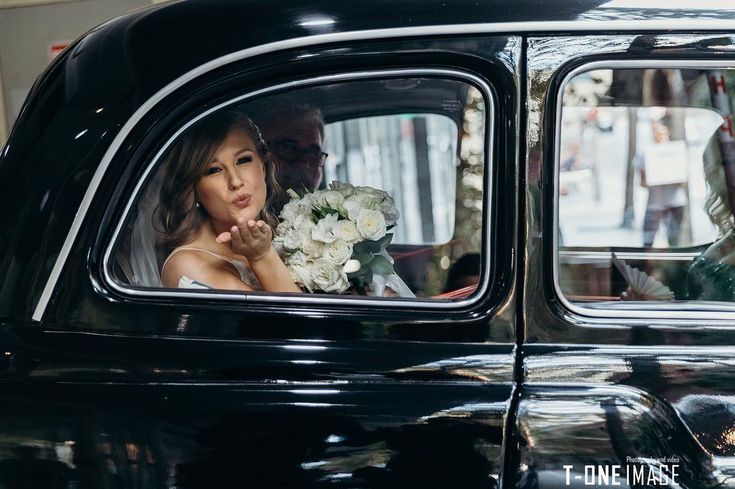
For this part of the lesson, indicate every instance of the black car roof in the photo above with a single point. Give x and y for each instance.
(152, 46)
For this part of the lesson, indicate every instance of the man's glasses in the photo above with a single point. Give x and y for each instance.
(289, 151)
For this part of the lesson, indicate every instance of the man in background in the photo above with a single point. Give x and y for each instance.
(295, 137)
(667, 195)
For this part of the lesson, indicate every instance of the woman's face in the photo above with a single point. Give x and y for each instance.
(233, 186)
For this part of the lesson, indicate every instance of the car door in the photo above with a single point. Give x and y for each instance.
(623, 392)
(109, 384)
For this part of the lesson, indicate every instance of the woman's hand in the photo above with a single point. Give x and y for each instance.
(252, 239)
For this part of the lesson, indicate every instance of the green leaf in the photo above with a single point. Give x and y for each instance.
(385, 240)
(364, 259)
(381, 265)
(366, 248)
(370, 246)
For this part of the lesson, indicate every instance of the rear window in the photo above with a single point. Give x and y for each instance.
(645, 189)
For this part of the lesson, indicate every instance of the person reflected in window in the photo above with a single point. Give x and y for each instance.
(213, 209)
(295, 136)
(666, 201)
(711, 276)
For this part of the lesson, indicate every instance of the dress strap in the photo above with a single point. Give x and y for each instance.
(246, 275)
(191, 248)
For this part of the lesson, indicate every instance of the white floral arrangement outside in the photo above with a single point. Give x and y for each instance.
(334, 239)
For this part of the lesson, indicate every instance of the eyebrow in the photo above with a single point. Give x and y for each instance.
(238, 153)
(296, 143)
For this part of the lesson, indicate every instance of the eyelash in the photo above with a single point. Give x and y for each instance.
(240, 161)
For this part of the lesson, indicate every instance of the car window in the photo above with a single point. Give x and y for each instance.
(643, 188)
(367, 187)
(385, 152)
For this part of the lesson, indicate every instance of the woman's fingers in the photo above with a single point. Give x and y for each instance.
(250, 238)
(255, 230)
(225, 237)
(267, 231)
(237, 237)
(246, 230)
(262, 230)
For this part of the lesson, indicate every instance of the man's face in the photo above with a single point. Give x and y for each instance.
(297, 145)
(660, 132)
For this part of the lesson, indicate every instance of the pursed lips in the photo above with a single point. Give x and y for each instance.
(242, 200)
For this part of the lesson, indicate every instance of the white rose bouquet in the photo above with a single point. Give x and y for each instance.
(336, 238)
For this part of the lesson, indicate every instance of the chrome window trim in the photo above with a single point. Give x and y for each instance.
(509, 28)
(629, 255)
(428, 303)
(634, 309)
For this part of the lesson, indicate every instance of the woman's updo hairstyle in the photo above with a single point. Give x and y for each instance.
(178, 219)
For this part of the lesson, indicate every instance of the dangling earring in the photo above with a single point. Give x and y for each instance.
(198, 205)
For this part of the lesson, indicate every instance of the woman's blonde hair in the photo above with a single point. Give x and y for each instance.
(178, 219)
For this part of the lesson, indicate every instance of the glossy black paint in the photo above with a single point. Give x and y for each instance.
(644, 389)
(160, 393)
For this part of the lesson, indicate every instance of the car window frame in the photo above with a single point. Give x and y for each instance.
(632, 310)
(425, 303)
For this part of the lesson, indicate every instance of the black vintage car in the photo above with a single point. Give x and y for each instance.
(571, 154)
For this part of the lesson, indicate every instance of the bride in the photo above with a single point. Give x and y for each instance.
(216, 229)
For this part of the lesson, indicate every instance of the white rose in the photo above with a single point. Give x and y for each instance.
(338, 252)
(301, 274)
(353, 207)
(390, 211)
(334, 200)
(371, 224)
(326, 229)
(345, 189)
(348, 231)
(279, 247)
(292, 239)
(289, 211)
(318, 199)
(378, 194)
(312, 249)
(307, 203)
(282, 227)
(355, 204)
(328, 278)
(302, 221)
(297, 258)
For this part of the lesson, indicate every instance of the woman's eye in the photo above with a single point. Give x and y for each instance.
(244, 159)
(212, 170)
